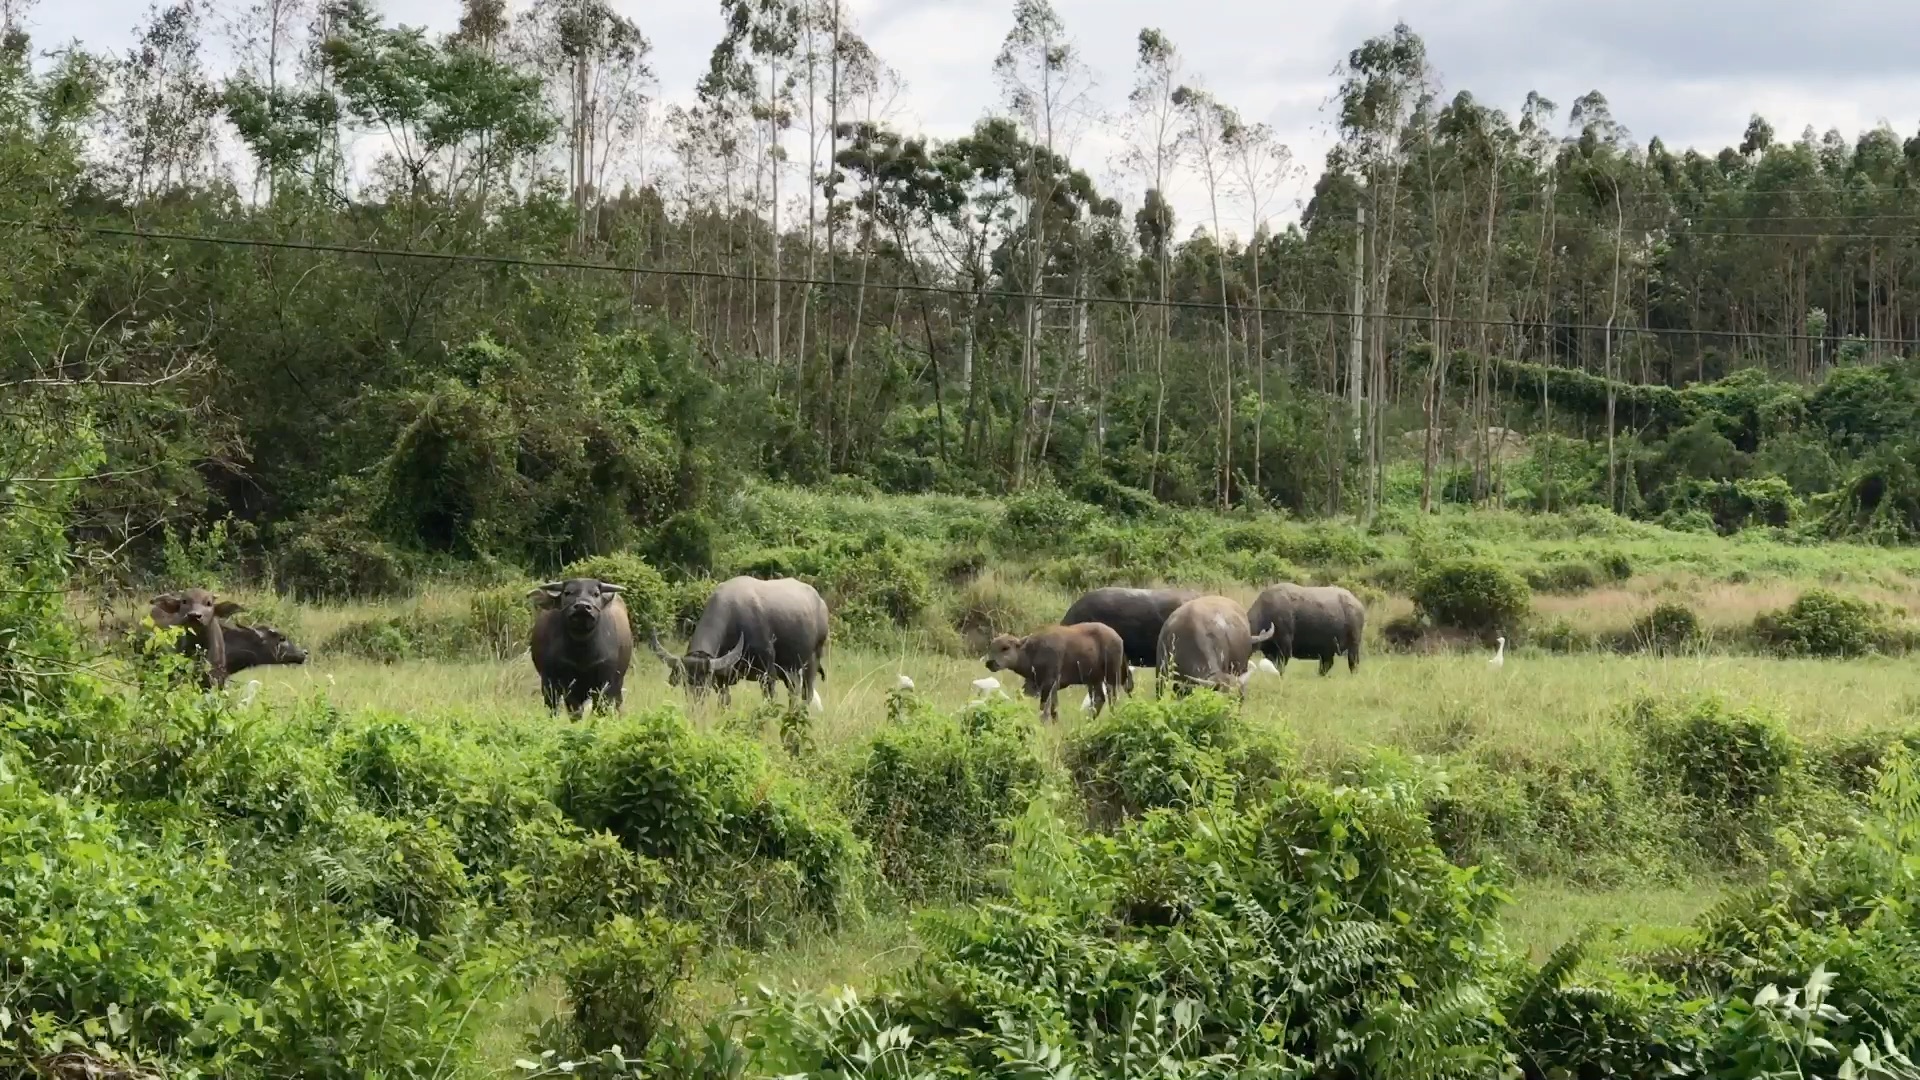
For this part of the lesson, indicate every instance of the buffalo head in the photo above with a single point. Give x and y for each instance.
(698, 672)
(1007, 653)
(273, 645)
(195, 608)
(579, 601)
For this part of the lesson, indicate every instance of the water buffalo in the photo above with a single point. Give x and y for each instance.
(1205, 642)
(581, 642)
(1309, 623)
(253, 646)
(200, 612)
(1136, 614)
(1055, 657)
(754, 629)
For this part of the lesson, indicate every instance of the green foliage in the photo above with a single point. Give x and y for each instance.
(1043, 520)
(1477, 595)
(684, 545)
(336, 557)
(1822, 622)
(749, 849)
(412, 635)
(933, 795)
(1729, 774)
(1177, 753)
(500, 620)
(621, 981)
(1670, 627)
(1217, 942)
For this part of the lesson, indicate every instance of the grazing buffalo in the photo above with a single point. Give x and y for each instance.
(1087, 654)
(1135, 614)
(581, 643)
(1309, 623)
(200, 612)
(754, 629)
(1206, 643)
(254, 646)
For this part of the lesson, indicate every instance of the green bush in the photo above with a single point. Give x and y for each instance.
(687, 602)
(1475, 595)
(413, 635)
(1181, 752)
(932, 796)
(1044, 519)
(1617, 565)
(1564, 577)
(1730, 773)
(648, 597)
(876, 587)
(1822, 622)
(500, 619)
(621, 982)
(748, 848)
(1403, 631)
(1562, 636)
(1670, 627)
(337, 558)
(684, 545)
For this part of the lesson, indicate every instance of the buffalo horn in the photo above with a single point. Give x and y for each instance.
(723, 664)
(653, 642)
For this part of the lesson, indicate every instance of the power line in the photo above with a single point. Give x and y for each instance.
(483, 259)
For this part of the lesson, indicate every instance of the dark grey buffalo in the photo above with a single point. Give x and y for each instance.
(581, 643)
(1309, 622)
(752, 629)
(1135, 614)
(199, 612)
(255, 646)
(1205, 642)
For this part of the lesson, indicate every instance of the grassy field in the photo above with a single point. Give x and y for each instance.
(1538, 706)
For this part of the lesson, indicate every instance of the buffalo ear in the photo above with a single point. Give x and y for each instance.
(227, 607)
(545, 596)
(167, 601)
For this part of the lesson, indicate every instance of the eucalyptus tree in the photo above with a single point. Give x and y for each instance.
(1384, 82)
(1153, 121)
(160, 115)
(1044, 84)
(594, 62)
(1206, 132)
(754, 62)
(1259, 164)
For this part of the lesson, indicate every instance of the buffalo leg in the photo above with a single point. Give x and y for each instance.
(550, 693)
(1098, 693)
(1326, 663)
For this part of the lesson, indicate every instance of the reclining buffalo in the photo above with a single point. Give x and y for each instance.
(256, 646)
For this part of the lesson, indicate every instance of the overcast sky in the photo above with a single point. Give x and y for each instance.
(1690, 71)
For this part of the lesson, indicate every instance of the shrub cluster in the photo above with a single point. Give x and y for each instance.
(933, 795)
(1476, 595)
(1825, 623)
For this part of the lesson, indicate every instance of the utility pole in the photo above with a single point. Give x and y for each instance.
(1358, 336)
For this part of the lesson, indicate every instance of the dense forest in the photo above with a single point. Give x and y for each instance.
(370, 294)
